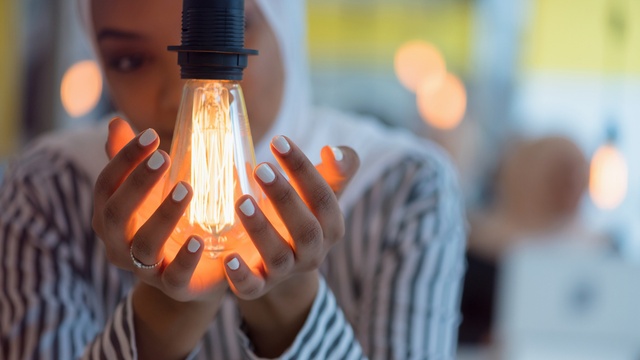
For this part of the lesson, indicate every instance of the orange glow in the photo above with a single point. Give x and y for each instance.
(609, 178)
(444, 107)
(418, 63)
(81, 88)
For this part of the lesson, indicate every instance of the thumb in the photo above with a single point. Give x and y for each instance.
(338, 166)
(120, 134)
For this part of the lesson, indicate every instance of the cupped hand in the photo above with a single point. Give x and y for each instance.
(292, 235)
(295, 233)
(134, 222)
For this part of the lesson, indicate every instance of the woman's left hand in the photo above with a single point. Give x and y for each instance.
(308, 208)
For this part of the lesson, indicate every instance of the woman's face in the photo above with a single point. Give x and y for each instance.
(144, 78)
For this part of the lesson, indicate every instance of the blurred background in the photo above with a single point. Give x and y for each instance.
(537, 101)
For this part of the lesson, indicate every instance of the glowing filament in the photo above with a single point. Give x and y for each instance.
(212, 166)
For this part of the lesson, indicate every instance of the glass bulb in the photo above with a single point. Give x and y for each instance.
(212, 150)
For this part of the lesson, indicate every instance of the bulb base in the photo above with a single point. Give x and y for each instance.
(213, 40)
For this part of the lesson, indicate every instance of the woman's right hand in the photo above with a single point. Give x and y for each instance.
(135, 227)
(174, 302)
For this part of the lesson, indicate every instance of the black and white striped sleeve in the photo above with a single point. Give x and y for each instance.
(398, 274)
(414, 312)
(325, 335)
(57, 290)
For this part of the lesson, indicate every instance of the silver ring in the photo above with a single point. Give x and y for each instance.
(140, 265)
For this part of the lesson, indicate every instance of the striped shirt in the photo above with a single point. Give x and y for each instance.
(390, 289)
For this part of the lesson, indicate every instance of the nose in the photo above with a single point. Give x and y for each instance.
(171, 91)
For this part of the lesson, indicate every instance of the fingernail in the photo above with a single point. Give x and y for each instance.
(147, 137)
(179, 193)
(156, 161)
(234, 264)
(194, 245)
(265, 173)
(281, 144)
(247, 207)
(337, 153)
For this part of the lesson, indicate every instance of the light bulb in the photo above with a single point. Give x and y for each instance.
(609, 176)
(212, 148)
(213, 152)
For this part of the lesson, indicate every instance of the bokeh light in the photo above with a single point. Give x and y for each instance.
(81, 88)
(418, 63)
(444, 107)
(608, 180)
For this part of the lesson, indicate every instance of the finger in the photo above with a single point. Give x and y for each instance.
(122, 164)
(338, 166)
(313, 189)
(147, 243)
(120, 133)
(119, 209)
(304, 228)
(277, 255)
(176, 276)
(244, 283)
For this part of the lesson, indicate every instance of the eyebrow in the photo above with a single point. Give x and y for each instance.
(117, 34)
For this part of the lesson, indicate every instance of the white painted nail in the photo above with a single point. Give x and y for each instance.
(247, 207)
(234, 264)
(337, 153)
(156, 161)
(147, 137)
(179, 193)
(281, 144)
(266, 174)
(194, 245)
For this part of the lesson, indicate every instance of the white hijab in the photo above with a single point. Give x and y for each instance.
(312, 128)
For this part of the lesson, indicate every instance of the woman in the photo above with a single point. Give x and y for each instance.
(389, 289)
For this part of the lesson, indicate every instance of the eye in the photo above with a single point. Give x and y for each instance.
(127, 63)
